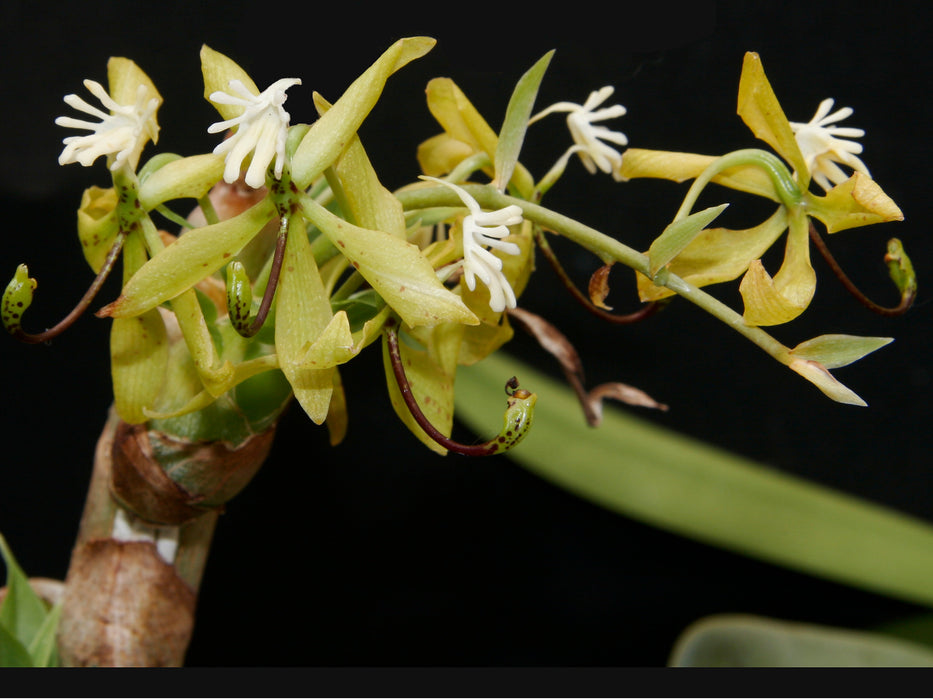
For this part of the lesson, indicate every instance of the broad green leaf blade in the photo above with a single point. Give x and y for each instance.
(678, 235)
(22, 611)
(686, 487)
(750, 641)
(512, 134)
(330, 134)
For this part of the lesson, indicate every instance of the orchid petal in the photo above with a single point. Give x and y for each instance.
(759, 108)
(329, 135)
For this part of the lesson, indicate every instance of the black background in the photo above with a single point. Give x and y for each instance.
(377, 552)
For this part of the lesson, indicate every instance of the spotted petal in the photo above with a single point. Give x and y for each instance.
(302, 314)
(396, 269)
(184, 263)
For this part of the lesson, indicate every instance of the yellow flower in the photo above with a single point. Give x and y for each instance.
(718, 254)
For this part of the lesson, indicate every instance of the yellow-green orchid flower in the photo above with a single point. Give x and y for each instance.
(311, 338)
(707, 256)
(122, 133)
(116, 220)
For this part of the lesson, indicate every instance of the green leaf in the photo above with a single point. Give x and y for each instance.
(12, 652)
(678, 235)
(44, 646)
(22, 611)
(718, 255)
(749, 641)
(512, 134)
(692, 489)
(835, 350)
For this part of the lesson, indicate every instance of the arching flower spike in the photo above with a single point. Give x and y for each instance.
(822, 148)
(588, 138)
(482, 228)
(121, 134)
(261, 130)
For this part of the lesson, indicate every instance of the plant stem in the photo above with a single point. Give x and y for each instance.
(605, 247)
(125, 603)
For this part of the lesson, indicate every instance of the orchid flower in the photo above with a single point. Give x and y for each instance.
(822, 148)
(481, 228)
(262, 128)
(718, 254)
(589, 139)
(120, 134)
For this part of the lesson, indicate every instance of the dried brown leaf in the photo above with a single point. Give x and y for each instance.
(599, 287)
(556, 343)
